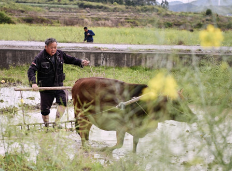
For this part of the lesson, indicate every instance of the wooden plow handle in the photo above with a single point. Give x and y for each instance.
(42, 88)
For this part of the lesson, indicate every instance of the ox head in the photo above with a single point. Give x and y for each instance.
(179, 110)
(164, 101)
(164, 108)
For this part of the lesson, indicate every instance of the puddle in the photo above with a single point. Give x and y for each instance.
(181, 140)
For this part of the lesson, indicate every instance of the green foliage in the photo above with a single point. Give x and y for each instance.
(229, 25)
(35, 19)
(23, 8)
(198, 25)
(14, 75)
(4, 18)
(208, 12)
(165, 4)
(167, 24)
(12, 110)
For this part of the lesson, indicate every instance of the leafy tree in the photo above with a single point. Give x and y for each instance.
(165, 4)
(208, 12)
(152, 2)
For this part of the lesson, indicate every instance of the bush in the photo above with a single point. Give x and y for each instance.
(198, 25)
(4, 18)
(167, 24)
(229, 25)
(208, 12)
(36, 20)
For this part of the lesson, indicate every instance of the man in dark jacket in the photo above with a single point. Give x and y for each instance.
(88, 35)
(49, 67)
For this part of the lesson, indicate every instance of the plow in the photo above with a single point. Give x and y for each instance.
(68, 124)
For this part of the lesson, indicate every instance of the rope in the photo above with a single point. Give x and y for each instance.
(133, 100)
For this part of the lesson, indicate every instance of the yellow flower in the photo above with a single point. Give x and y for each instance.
(160, 85)
(148, 94)
(3, 81)
(211, 37)
(22, 101)
(224, 66)
(157, 82)
(170, 87)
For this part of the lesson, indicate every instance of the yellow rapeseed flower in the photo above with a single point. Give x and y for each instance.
(22, 101)
(160, 85)
(149, 94)
(211, 37)
(170, 87)
(224, 66)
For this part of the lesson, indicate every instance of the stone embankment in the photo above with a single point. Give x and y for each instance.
(116, 55)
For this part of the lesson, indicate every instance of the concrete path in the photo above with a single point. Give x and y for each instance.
(109, 47)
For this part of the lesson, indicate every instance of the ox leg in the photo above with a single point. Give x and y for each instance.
(135, 143)
(83, 127)
(120, 138)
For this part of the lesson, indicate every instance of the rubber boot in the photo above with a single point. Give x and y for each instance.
(46, 120)
(59, 113)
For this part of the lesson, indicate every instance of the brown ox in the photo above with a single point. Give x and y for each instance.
(95, 99)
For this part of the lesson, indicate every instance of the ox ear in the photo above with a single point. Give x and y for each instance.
(180, 93)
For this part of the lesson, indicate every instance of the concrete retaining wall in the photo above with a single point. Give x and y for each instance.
(15, 57)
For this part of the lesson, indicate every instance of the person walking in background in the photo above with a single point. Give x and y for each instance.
(49, 67)
(88, 35)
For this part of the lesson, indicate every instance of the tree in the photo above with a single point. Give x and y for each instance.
(152, 2)
(208, 12)
(164, 4)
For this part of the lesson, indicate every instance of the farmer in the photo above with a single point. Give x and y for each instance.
(88, 35)
(49, 67)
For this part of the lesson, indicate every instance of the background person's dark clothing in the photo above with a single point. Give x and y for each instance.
(89, 38)
(50, 74)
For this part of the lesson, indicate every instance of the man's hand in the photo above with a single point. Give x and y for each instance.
(35, 87)
(85, 62)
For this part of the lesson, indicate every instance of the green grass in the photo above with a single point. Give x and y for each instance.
(211, 81)
(104, 35)
(19, 7)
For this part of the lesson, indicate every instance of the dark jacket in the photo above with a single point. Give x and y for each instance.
(48, 74)
(89, 38)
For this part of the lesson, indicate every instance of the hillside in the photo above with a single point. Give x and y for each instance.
(81, 13)
(175, 2)
(188, 7)
(211, 2)
(224, 8)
